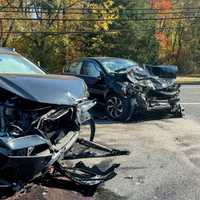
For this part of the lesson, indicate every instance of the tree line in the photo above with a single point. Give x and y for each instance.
(52, 33)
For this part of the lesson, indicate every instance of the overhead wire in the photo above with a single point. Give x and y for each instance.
(194, 14)
(152, 12)
(100, 19)
(96, 9)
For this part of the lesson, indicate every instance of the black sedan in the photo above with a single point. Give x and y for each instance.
(125, 89)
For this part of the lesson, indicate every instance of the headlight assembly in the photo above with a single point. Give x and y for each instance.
(146, 84)
(85, 89)
(149, 84)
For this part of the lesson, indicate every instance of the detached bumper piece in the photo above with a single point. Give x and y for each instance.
(89, 149)
(87, 176)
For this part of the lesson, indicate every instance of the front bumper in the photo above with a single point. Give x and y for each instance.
(167, 93)
(164, 98)
(25, 168)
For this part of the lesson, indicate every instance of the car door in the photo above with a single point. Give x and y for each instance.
(91, 73)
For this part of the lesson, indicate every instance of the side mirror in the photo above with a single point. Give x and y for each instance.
(101, 75)
(99, 78)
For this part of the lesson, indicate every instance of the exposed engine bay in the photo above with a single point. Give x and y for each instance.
(36, 136)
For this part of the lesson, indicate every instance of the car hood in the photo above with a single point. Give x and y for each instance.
(139, 75)
(50, 89)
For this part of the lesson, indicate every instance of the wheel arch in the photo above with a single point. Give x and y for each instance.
(110, 92)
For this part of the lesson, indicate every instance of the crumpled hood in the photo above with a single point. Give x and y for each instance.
(159, 83)
(50, 89)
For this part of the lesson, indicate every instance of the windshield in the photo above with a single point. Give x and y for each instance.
(15, 64)
(117, 64)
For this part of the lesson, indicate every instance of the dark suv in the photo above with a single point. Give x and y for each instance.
(125, 89)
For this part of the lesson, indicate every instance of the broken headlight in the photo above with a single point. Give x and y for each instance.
(83, 111)
(147, 83)
(85, 90)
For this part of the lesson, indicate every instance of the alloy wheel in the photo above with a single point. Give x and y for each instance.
(115, 107)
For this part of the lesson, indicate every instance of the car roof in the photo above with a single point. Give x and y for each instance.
(4, 50)
(101, 58)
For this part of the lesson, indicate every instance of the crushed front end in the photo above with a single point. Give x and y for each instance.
(153, 93)
(35, 137)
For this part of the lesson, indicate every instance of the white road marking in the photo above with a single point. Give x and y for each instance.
(190, 86)
(192, 103)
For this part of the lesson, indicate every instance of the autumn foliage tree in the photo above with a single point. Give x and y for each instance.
(54, 32)
(173, 34)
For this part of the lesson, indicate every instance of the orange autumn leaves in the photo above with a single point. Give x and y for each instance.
(161, 4)
(162, 39)
(160, 7)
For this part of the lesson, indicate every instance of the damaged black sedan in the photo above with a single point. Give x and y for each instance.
(124, 89)
(40, 119)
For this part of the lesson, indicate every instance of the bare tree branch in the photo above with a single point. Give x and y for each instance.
(8, 35)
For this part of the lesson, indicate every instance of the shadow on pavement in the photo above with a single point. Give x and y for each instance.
(54, 183)
(101, 117)
(66, 184)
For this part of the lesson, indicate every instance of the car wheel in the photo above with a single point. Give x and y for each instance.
(119, 108)
(177, 111)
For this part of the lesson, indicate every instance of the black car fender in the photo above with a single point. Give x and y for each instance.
(115, 87)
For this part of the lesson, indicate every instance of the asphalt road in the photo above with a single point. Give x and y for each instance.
(164, 163)
(190, 97)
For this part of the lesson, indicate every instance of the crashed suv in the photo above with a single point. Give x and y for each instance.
(40, 119)
(124, 89)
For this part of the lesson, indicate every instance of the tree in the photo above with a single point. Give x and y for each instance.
(40, 30)
(52, 17)
(136, 39)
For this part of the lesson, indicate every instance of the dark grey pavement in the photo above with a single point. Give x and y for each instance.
(190, 97)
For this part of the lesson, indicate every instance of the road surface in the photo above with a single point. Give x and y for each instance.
(164, 163)
(190, 97)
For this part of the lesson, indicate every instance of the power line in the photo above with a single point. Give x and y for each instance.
(99, 20)
(85, 11)
(95, 9)
(104, 13)
(161, 9)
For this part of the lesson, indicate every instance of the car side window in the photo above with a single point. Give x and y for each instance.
(75, 68)
(90, 69)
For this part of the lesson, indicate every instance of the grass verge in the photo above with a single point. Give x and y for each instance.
(188, 80)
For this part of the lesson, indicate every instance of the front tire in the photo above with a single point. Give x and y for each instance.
(119, 108)
(177, 111)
